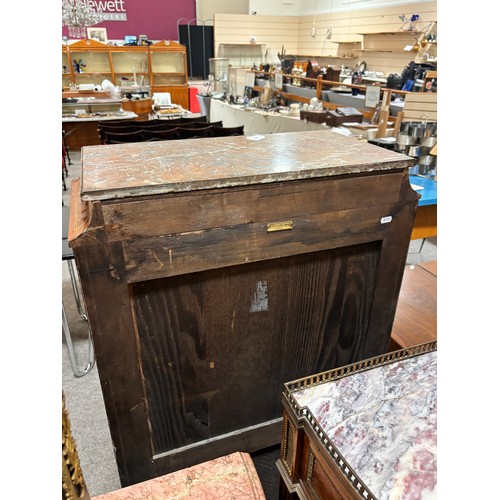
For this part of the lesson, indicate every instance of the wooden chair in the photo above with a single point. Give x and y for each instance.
(66, 149)
(151, 123)
(159, 126)
(197, 119)
(228, 131)
(64, 167)
(118, 123)
(204, 124)
(194, 132)
(64, 186)
(123, 137)
(161, 135)
(177, 121)
(110, 129)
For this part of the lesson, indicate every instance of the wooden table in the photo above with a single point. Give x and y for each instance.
(416, 315)
(364, 431)
(214, 270)
(81, 132)
(426, 219)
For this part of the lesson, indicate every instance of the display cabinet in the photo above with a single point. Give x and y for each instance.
(161, 66)
(67, 76)
(130, 66)
(169, 71)
(90, 62)
(219, 71)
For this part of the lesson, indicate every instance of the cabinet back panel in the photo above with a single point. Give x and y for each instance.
(217, 346)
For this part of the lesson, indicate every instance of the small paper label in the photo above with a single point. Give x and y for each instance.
(259, 302)
(386, 219)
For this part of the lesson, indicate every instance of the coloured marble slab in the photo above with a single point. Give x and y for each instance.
(144, 168)
(384, 422)
(230, 477)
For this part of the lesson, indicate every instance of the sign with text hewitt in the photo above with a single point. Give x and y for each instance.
(157, 19)
(112, 10)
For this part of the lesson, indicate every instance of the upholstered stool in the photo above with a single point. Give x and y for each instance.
(232, 476)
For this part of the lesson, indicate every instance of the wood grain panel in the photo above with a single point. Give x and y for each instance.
(417, 103)
(201, 210)
(272, 31)
(258, 326)
(347, 26)
(179, 94)
(188, 252)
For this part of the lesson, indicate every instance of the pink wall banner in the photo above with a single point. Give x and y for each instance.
(157, 19)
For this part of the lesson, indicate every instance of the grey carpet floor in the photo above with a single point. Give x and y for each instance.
(84, 401)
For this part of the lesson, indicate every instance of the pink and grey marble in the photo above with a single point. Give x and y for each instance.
(232, 477)
(117, 171)
(384, 422)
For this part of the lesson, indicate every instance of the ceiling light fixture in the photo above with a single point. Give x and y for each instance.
(313, 29)
(329, 29)
(78, 15)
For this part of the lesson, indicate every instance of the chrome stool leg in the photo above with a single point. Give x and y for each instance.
(71, 350)
(76, 290)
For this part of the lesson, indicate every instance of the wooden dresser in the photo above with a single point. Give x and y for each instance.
(215, 270)
(364, 431)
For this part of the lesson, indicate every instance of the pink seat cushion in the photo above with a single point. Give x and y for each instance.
(232, 477)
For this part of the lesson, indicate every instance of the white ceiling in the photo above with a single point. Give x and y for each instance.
(310, 7)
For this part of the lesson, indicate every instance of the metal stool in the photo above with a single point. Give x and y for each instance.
(67, 255)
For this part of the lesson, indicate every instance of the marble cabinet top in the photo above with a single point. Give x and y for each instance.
(121, 170)
(384, 422)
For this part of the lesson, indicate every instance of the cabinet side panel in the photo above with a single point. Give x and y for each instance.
(217, 346)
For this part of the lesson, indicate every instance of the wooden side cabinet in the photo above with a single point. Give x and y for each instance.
(214, 270)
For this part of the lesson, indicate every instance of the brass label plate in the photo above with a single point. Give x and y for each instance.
(286, 225)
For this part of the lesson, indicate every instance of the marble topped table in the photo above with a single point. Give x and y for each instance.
(378, 420)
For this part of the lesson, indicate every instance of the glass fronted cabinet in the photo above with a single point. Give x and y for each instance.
(161, 67)
(90, 62)
(219, 73)
(130, 66)
(67, 77)
(169, 71)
